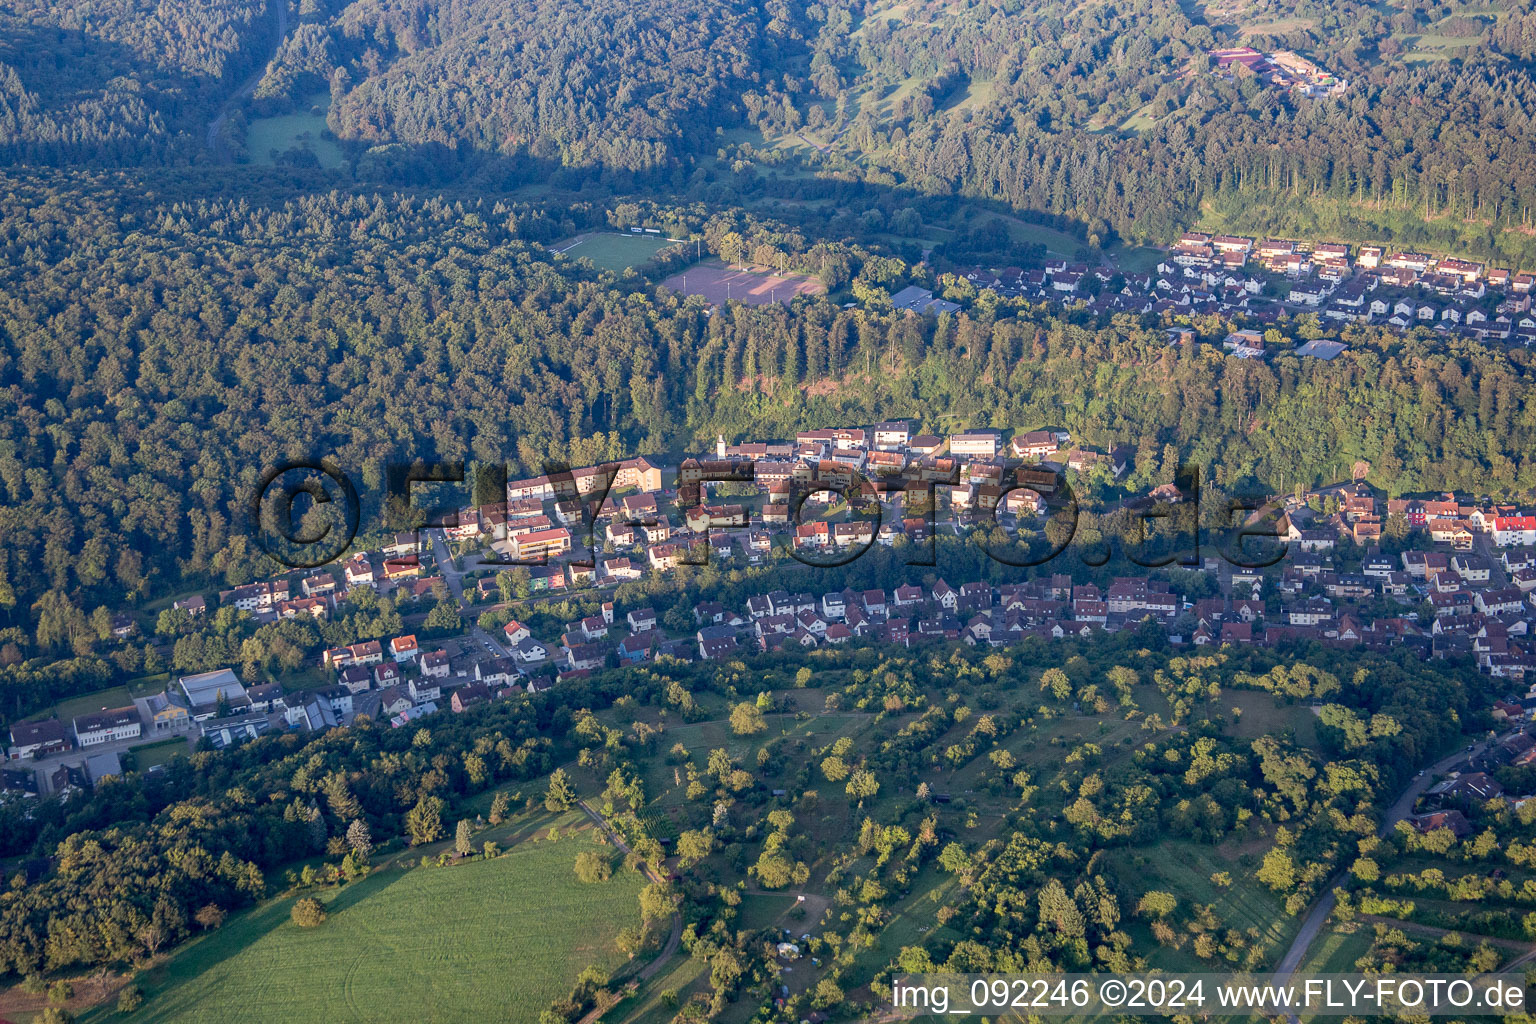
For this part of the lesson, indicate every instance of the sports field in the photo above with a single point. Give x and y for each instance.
(490, 940)
(611, 250)
(755, 286)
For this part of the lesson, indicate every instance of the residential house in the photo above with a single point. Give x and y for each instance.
(435, 665)
(404, 649)
(38, 739)
(468, 695)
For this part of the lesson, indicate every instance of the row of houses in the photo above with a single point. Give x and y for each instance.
(641, 538)
(1208, 274)
(968, 469)
(1360, 520)
(1280, 255)
(206, 701)
(1471, 612)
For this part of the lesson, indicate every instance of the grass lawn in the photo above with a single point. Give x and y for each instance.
(151, 754)
(143, 686)
(1262, 716)
(301, 130)
(765, 909)
(488, 940)
(1137, 260)
(1058, 243)
(1140, 120)
(1430, 43)
(974, 96)
(111, 697)
(1336, 950)
(308, 678)
(684, 977)
(612, 251)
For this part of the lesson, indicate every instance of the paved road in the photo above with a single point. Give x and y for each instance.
(481, 637)
(478, 638)
(1519, 961)
(452, 576)
(1318, 915)
(365, 703)
(1482, 544)
(248, 89)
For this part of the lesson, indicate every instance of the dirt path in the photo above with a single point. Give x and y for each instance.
(674, 939)
(1434, 931)
(91, 990)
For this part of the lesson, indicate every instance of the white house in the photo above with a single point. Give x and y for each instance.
(109, 726)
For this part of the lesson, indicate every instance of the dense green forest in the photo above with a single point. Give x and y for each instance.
(123, 81)
(1105, 114)
(624, 85)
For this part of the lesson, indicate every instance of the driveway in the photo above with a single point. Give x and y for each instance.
(452, 576)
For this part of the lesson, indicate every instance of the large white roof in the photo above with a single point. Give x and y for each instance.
(203, 689)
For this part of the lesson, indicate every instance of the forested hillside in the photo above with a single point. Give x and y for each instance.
(629, 86)
(158, 354)
(121, 81)
(1109, 114)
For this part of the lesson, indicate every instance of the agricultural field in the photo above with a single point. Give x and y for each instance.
(423, 944)
(302, 130)
(611, 250)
